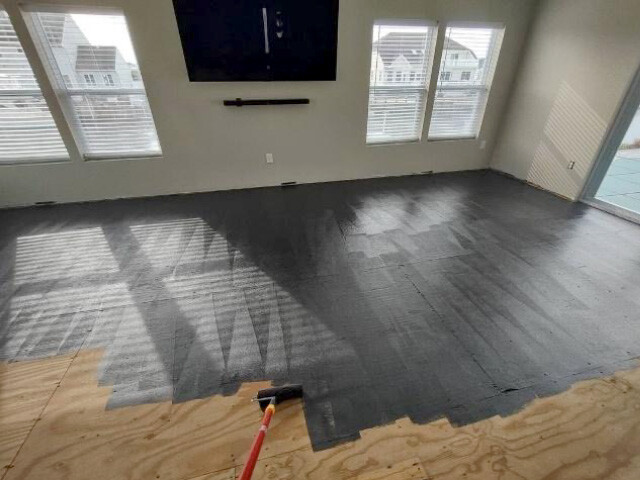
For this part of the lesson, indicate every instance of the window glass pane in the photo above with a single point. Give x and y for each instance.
(468, 63)
(115, 124)
(621, 184)
(27, 129)
(401, 62)
(92, 60)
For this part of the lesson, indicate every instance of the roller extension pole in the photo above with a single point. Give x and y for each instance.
(267, 398)
(250, 464)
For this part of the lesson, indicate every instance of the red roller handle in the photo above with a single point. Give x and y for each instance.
(250, 464)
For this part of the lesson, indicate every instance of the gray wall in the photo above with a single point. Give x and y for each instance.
(579, 61)
(209, 147)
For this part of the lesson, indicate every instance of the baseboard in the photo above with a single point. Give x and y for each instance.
(534, 185)
(43, 204)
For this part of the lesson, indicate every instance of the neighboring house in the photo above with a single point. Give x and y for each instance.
(405, 65)
(81, 64)
(86, 68)
(395, 68)
(460, 63)
(84, 65)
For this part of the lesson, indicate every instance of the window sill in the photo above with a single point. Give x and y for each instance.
(142, 156)
(392, 143)
(451, 139)
(34, 161)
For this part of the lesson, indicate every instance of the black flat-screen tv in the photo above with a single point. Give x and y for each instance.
(258, 40)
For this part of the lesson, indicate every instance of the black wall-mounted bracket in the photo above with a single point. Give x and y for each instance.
(238, 102)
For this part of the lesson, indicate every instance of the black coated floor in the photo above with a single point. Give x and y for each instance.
(459, 295)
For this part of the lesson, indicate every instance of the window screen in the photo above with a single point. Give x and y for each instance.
(27, 130)
(469, 59)
(401, 61)
(92, 61)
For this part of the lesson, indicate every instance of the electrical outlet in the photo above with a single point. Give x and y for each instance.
(571, 165)
(483, 144)
(269, 157)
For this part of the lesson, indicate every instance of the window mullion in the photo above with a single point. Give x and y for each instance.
(433, 84)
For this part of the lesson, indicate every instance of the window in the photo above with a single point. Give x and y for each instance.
(114, 120)
(459, 105)
(396, 108)
(445, 76)
(454, 56)
(27, 129)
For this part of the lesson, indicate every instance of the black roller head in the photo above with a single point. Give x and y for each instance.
(279, 394)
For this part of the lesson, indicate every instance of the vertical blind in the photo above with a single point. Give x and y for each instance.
(27, 130)
(469, 59)
(401, 60)
(94, 66)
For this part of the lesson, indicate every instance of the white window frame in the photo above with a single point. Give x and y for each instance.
(428, 76)
(65, 94)
(486, 87)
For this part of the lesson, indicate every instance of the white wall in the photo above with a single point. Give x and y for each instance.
(209, 147)
(578, 64)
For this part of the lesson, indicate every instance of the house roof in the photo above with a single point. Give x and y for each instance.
(91, 57)
(387, 47)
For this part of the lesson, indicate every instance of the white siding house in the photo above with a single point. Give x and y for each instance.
(86, 65)
(396, 65)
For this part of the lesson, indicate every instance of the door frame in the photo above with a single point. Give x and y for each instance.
(626, 112)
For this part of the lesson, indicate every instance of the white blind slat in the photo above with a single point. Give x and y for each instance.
(94, 64)
(469, 59)
(401, 60)
(27, 129)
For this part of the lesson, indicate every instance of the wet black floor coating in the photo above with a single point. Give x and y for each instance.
(458, 295)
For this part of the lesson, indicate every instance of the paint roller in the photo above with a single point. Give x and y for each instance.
(267, 398)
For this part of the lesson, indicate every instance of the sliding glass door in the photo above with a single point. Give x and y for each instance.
(615, 181)
(621, 184)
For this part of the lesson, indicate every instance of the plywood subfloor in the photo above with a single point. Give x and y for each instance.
(25, 389)
(591, 431)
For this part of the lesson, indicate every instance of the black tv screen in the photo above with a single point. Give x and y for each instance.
(258, 40)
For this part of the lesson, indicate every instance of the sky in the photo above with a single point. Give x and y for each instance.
(112, 32)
